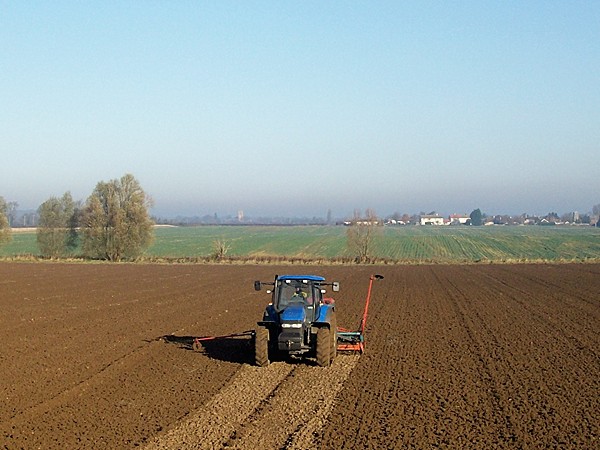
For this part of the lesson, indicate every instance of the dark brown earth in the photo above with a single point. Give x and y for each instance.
(100, 356)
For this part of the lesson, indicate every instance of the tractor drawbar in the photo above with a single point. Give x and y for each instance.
(197, 346)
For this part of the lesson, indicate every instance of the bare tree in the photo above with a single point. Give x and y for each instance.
(5, 231)
(361, 235)
(220, 248)
(56, 231)
(116, 224)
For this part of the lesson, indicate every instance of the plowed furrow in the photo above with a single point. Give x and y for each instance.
(483, 345)
(541, 309)
(74, 391)
(212, 425)
(279, 406)
(568, 288)
(294, 415)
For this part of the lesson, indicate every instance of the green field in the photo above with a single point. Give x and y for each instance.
(406, 244)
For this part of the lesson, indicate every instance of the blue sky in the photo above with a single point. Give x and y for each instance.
(294, 108)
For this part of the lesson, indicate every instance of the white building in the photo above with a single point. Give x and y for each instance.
(431, 220)
(459, 219)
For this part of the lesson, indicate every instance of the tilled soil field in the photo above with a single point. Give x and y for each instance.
(100, 356)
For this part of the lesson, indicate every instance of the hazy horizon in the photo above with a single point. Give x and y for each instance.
(296, 108)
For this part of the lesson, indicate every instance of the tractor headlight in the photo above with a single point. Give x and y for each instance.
(291, 325)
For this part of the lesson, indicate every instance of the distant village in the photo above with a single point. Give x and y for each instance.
(422, 219)
(25, 219)
(572, 218)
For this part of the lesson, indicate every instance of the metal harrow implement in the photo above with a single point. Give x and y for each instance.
(354, 341)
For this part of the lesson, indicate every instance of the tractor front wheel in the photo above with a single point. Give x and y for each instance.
(261, 347)
(323, 347)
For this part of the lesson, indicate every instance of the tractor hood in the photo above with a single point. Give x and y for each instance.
(293, 313)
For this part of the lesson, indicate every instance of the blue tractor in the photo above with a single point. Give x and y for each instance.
(298, 321)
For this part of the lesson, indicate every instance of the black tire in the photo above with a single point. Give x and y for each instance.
(323, 347)
(333, 334)
(261, 347)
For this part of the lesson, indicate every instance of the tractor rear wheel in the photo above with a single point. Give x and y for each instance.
(323, 347)
(333, 333)
(261, 347)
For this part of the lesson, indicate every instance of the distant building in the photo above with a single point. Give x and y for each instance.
(459, 219)
(24, 219)
(431, 220)
(395, 222)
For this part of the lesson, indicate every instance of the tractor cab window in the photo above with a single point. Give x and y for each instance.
(295, 291)
(317, 296)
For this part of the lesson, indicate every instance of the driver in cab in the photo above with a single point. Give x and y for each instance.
(299, 294)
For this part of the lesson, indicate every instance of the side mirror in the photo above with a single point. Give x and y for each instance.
(336, 286)
(257, 285)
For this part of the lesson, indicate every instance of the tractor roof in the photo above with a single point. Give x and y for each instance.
(301, 277)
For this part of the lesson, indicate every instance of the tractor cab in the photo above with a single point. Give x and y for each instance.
(293, 292)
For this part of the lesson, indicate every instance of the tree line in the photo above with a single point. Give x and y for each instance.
(113, 224)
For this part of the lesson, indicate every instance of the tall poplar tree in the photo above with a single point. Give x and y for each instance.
(476, 217)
